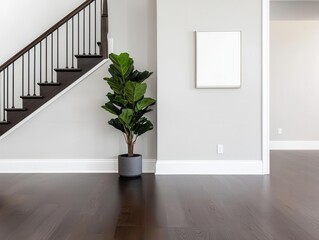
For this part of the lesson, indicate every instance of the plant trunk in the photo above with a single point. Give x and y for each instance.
(130, 145)
(130, 149)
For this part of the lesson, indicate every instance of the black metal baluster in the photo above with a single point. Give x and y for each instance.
(28, 73)
(57, 48)
(84, 31)
(52, 67)
(101, 25)
(67, 43)
(22, 83)
(46, 60)
(4, 94)
(90, 29)
(78, 33)
(34, 69)
(7, 86)
(41, 62)
(95, 27)
(13, 85)
(72, 42)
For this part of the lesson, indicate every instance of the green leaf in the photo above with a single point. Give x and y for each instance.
(134, 91)
(139, 77)
(111, 108)
(117, 124)
(138, 115)
(129, 72)
(117, 100)
(142, 126)
(114, 58)
(110, 96)
(122, 62)
(126, 117)
(115, 85)
(115, 72)
(145, 102)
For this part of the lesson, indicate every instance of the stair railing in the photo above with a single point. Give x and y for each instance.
(82, 32)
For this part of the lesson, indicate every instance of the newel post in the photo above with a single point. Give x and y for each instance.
(104, 29)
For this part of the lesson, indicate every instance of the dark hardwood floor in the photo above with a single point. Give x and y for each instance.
(282, 206)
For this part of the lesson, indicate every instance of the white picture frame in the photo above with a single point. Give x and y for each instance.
(218, 59)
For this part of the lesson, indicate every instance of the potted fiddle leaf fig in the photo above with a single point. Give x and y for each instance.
(129, 105)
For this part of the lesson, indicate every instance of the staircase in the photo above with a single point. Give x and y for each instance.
(52, 62)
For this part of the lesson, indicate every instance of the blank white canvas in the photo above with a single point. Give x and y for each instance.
(218, 59)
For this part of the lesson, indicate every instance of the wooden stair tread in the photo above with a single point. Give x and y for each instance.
(89, 56)
(68, 69)
(31, 97)
(15, 109)
(49, 84)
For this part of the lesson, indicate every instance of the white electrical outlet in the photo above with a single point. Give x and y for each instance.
(279, 130)
(220, 148)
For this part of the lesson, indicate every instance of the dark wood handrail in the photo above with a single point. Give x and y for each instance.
(46, 34)
(105, 29)
(105, 11)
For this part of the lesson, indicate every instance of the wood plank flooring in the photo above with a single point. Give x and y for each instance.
(282, 206)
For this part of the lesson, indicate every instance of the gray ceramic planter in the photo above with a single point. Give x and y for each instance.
(130, 166)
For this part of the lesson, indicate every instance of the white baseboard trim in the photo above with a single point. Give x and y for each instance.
(163, 167)
(67, 165)
(206, 167)
(294, 145)
(54, 98)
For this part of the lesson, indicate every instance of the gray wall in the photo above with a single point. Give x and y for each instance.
(294, 72)
(192, 121)
(75, 127)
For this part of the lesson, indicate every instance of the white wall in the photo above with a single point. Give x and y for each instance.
(294, 61)
(191, 122)
(23, 21)
(75, 127)
(294, 80)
